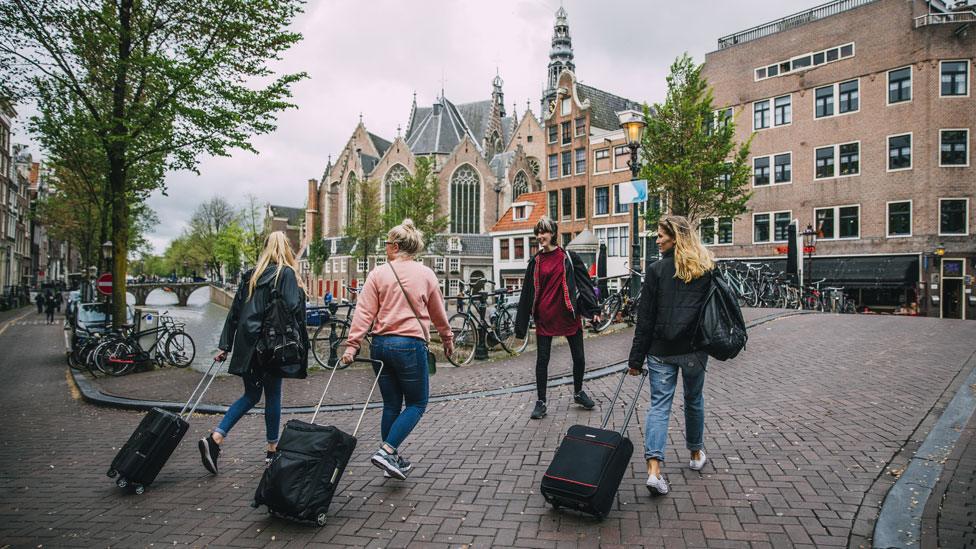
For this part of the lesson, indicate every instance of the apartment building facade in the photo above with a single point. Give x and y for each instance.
(863, 115)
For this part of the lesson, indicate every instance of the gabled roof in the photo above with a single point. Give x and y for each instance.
(295, 216)
(439, 129)
(508, 223)
(604, 106)
(381, 144)
(471, 245)
(369, 163)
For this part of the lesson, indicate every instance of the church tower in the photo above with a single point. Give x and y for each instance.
(560, 56)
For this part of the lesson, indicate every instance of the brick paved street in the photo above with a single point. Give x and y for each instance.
(798, 429)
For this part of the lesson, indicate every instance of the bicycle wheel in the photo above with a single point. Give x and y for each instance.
(330, 342)
(505, 332)
(465, 338)
(180, 349)
(609, 310)
(114, 357)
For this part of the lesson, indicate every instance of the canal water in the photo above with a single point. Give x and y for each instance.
(204, 320)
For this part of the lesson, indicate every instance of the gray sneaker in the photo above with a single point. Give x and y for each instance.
(390, 463)
(540, 410)
(405, 467)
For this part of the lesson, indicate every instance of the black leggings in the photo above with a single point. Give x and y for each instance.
(542, 362)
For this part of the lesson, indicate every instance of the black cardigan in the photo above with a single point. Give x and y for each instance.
(580, 288)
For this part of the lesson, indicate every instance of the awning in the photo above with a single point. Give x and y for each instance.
(891, 271)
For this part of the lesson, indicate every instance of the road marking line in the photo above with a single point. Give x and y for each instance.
(72, 386)
(10, 322)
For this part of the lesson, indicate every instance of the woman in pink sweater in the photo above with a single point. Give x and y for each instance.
(400, 300)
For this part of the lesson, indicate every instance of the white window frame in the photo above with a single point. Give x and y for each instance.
(772, 103)
(565, 106)
(969, 78)
(968, 147)
(717, 115)
(837, 221)
(454, 244)
(911, 153)
(609, 189)
(576, 169)
(453, 287)
(613, 158)
(608, 150)
(333, 246)
(343, 264)
(853, 46)
(833, 91)
(504, 244)
(939, 219)
(772, 170)
(911, 86)
(614, 193)
(717, 243)
(772, 226)
(454, 264)
(911, 218)
(525, 212)
(836, 147)
(549, 134)
(836, 92)
(768, 101)
(439, 264)
(328, 267)
(362, 265)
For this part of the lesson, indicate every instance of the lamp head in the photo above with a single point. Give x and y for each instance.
(107, 249)
(633, 124)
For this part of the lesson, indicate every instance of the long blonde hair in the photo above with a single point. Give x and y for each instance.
(277, 250)
(691, 258)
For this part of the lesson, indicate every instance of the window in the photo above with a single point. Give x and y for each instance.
(824, 101)
(553, 133)
(955, 79)
(328, 266)
(899, 219)
(351, 198)
(722, 117)
(621, 155)
(899, 85)
(624, 242)
(454, 244)
(361, 265)
(439, 264)
(847, 96)
(553, 205)
(953, 147)
(711, 236)
(454, 287)
(899, 152)
(760, 115)
(825, 163)
(612, 249)
(580, 202)
(567, 161)
(601, 161)
(455, 264)
(782, 110)
(781, 220)
(519, 248)
(567, 198)
(804, 61)
(760, 171)
(761, 226)
(580, 126)
(580, 160)
(618, 208)
(601, 201)
(553, 166)
(393, 182)
(783, 168)
(528, 138)
(850, 158)
(520, 213)
(953, 216)
(838, 222)
(465, 201)
(566, 107)
(567, 135)
(520, 185)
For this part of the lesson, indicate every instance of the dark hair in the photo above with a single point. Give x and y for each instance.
(546, 225)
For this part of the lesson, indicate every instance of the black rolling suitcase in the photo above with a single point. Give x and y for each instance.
(306, 470)
(158, 434)
(590, 463)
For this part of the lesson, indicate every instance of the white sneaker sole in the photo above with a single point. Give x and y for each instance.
(698, 466)
(387, 468)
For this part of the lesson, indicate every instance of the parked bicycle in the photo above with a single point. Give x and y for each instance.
(470, 321)
(120, 350)
(620, 304)
(329, 339)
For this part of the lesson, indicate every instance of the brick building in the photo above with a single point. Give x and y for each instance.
(863, 117)
(8, 199)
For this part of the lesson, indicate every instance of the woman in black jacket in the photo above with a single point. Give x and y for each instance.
(558, 293)
(672, 298)
(276, 269)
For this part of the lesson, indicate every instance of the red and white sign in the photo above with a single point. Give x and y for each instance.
(809, 249)
(104, 284)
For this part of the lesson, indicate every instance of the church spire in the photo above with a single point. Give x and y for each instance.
(561, 54)
(497, 95)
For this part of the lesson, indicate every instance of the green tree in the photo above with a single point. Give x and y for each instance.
(418, 199)
(318, 254)
(154, 84)
(252, 222)
(229, 248)
(209, 221)
(689, 157)
(366, 226)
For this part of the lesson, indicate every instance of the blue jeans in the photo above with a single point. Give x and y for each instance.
(253, 385)
(404, 379)
(664, 379)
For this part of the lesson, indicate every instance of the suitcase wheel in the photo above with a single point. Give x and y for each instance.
(140, 489)
(320, 520)
(121, 483)
(112, 473)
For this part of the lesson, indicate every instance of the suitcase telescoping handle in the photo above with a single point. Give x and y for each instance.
(199, 397)
(368, 398)
(633, 403)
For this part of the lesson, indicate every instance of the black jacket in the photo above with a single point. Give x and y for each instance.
(242, 329)
(667, 315)
(579, 285)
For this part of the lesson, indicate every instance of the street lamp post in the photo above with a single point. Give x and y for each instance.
(633, 124)
(809, 243)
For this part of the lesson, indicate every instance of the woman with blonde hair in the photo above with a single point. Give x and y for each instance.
(399, 300)
(276, 270)
(672, 298)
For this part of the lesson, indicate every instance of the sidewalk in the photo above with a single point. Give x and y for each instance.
(950, 515)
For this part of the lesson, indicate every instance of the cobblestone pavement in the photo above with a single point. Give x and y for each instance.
(353, 384)
(798, 428)
(951, 510)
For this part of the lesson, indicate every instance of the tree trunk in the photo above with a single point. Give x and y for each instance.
(117, 150)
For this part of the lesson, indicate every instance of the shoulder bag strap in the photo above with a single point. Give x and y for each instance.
(423, 330)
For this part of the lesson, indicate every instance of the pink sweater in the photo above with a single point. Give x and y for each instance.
(382, 304)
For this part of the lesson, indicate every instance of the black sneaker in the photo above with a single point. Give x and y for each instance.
(209, 452)
(269, 458)
(583, 400)
(405, 467)
(540, 410)
(390, 463)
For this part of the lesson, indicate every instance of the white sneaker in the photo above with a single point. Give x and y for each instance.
(697, 464)
(658, 486)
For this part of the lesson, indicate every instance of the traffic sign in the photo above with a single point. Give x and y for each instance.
(104, 284)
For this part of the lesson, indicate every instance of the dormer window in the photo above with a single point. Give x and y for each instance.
(520, 213)
(454, 244)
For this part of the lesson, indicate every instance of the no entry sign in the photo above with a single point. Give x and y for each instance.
(104, 284)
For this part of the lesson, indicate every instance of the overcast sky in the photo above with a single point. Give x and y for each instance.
(370, 57)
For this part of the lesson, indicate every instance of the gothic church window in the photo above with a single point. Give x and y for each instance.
(465, 200)
(520, 185)
(351, 198)
(393, 182)
(534, 164)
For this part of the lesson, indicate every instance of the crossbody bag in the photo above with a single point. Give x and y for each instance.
(431, 358)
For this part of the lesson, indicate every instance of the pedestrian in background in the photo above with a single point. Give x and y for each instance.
(672, 298)
(49, 305)
(276, 268)
(557, 292)
(39, 299)
(399, 301)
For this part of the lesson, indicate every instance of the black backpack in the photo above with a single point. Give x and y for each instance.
(280, 341)
(721, 330)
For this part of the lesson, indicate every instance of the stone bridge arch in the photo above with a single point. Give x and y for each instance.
(183, 290)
